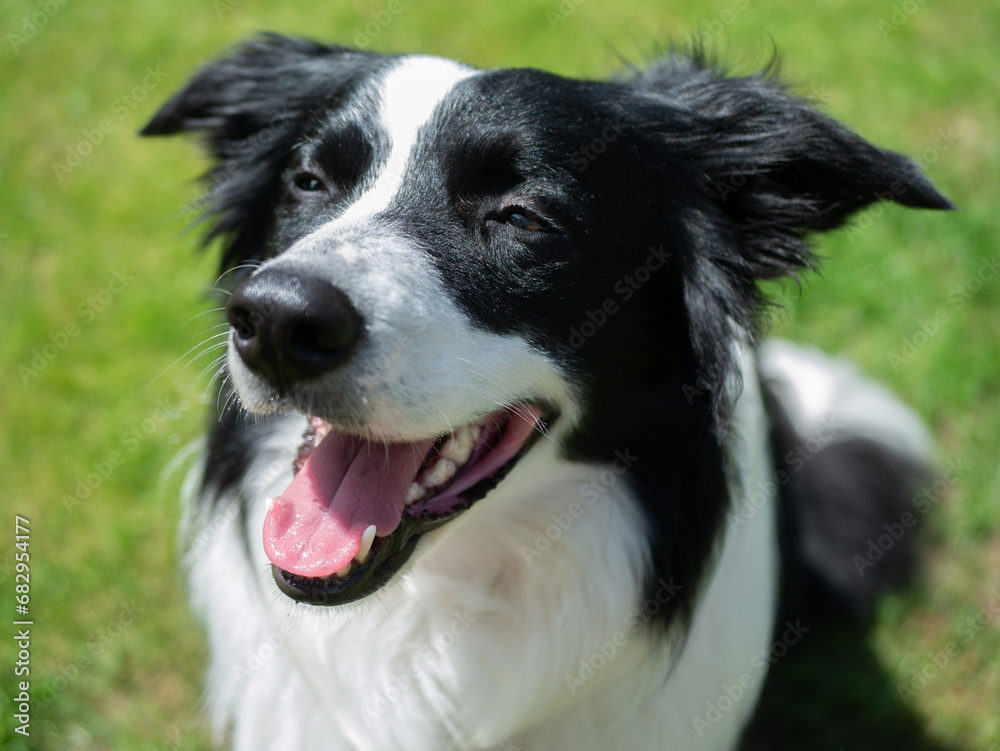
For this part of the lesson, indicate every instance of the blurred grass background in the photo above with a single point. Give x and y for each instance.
(100, 288)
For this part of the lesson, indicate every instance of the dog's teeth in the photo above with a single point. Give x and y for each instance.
(415, 493)
(454, 453)
(320, 428)
(458, 448)
(366, 544)
(344, 571)
(269, 503)
(442, 471)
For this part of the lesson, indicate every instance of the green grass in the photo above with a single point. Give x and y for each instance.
(108, 673)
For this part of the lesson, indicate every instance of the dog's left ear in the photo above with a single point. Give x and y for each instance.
(771, 165)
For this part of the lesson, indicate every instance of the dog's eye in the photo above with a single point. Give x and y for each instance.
(523, 221)
(308, 182)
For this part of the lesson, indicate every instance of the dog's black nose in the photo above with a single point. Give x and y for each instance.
(291, 328)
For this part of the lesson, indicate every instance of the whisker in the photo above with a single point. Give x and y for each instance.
(514, 403)
(216, 364)
(451, 428)
(232, 395)
(200, 344)
(205, 313)
(251, 265)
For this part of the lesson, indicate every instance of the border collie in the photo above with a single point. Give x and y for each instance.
(500, 461)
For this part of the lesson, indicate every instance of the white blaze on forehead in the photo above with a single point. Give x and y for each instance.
(410, 94)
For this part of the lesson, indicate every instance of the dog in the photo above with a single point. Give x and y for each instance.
(502, 460)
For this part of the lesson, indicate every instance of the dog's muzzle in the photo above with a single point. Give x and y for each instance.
(355, 508)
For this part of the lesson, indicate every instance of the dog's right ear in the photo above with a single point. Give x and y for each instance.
(268, 78)
(251, 106)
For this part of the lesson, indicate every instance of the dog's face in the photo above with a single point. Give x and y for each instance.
(436, 264)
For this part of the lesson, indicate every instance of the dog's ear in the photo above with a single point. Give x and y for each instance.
(251, 106)
(260, 82)
(771, 164)
(749, 171)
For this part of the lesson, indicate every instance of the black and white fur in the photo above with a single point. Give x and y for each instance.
(461, 215)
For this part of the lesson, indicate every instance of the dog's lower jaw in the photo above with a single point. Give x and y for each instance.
(491, 635)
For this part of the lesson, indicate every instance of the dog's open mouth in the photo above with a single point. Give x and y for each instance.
(353, 513)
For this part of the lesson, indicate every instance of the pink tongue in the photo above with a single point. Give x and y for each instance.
(314, 528)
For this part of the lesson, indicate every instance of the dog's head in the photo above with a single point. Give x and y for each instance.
(437, 263)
